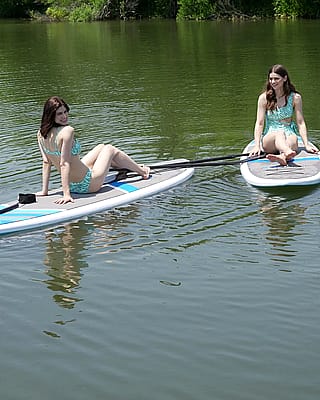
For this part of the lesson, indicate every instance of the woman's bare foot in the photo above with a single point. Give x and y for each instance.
(290, 155)
(280, 158)
(146, 170)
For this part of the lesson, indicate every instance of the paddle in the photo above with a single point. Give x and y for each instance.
(219, 158)
(9, 208)
(206, 162)
(203, 163)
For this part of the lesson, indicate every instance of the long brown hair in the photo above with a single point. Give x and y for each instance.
(288, 87)
(49, 114)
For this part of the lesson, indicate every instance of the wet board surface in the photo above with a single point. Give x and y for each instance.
(303, 169)
(45, 211)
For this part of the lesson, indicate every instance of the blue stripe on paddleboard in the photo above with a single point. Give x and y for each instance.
(124, 186)
(32, 212)
(21, 215)
(292, 160)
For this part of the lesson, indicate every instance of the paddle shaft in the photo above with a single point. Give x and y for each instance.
(219, 158)
(203, 163)
(9, 208)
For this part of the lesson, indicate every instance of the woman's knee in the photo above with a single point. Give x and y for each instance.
(98, 148)
(268, 143)
(110, 149)
(293, 141)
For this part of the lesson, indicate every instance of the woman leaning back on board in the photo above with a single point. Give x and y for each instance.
(275, 130)
(60, 148)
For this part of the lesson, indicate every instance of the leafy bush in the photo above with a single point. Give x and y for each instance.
(87, 10)
(82, 13)
(287, 8)
(195, 9)
(57, 13)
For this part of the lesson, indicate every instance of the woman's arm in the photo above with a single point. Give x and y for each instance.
(66, 136)
(46, 170)
(301, 123)
(258, 128)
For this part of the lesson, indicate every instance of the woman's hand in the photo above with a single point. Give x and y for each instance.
(64, 200)
(256, 151)
(311, 149)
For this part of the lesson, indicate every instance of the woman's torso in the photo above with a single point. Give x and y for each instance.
(52, 148)
(281, 117)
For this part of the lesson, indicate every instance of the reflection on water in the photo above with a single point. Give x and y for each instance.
(281, 219)
(64, 259)
(281, 214)
(66, 250)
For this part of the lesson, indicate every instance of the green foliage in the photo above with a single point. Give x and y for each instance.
(195, 9)
(82, 13)
(287, 8)
(296, 8)
(74, 11)
(88, 10)
(57, 13)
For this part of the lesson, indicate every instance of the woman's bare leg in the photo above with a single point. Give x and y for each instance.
(277, 142)
(292, 141)
(122, 160)
(103, 156)
(90, 158)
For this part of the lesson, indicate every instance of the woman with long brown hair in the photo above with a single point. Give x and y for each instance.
(60, 148)
(275, 130)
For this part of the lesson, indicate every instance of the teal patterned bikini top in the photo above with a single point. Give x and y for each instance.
(75, 151)
(275, 119)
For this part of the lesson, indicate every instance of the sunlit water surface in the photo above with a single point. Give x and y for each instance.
(207, 291)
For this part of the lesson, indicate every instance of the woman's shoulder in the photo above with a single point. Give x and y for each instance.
(297, 99)
(262, 99)
(65, 131)
(296, 95)
(65, 128)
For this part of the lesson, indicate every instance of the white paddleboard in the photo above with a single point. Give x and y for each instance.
(45, 211)
(303, 169)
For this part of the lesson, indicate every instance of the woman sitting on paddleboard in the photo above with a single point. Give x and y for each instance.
(275, 130)
(60, 148)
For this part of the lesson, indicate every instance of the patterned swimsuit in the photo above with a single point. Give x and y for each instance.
(75, 187)
(276, 120)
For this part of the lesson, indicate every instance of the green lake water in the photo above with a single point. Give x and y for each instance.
(84, 311)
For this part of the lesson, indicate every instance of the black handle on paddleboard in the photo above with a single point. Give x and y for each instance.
(24, 198)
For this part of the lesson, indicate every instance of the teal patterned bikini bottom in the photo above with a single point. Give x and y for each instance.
(82, 186)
